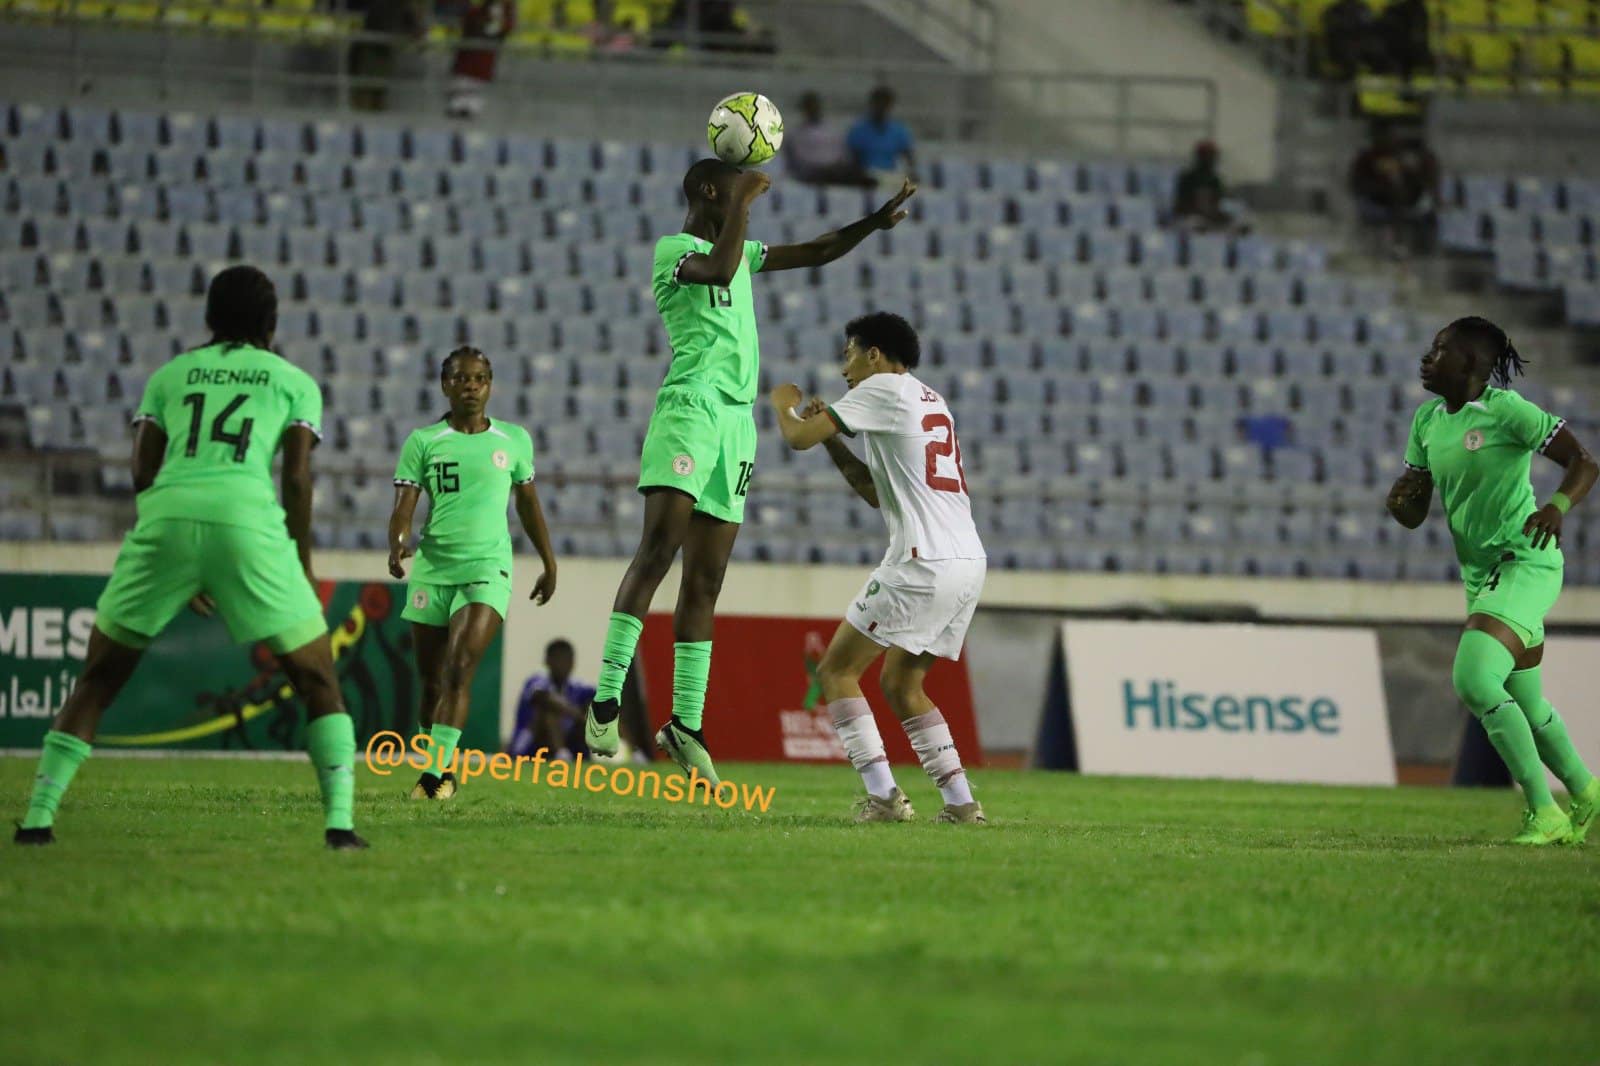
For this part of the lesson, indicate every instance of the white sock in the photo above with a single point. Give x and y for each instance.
(930, 739)
(853, 721)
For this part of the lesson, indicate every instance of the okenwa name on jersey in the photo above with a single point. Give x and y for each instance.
(204, 376)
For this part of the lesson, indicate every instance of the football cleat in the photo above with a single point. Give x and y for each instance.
(431, 787)
(42, 834)
(1547, 825)
(962, 814)
(602, 738)
(894, 807)
(1585, 805)
(344, 840)
(688, 751)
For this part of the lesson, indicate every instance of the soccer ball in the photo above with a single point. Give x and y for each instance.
(745, 129)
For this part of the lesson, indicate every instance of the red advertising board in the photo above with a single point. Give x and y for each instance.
(763, 704)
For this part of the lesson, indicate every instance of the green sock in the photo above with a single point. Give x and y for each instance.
(1481, 668)
(331, 743)
(691, 671)
(445, 738)
(1549, 731)
(622, 637)
(63, 754)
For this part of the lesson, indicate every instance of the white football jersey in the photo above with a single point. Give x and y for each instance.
(915, 461)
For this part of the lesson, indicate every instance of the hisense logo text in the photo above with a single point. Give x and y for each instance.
(1160, 704)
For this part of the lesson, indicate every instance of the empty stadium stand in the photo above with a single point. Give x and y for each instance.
(1106, 372)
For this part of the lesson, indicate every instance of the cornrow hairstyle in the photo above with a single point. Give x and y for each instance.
(1489, 344)
(466, 351)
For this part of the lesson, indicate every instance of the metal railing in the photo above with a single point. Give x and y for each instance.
(66, 483)
(632, 94)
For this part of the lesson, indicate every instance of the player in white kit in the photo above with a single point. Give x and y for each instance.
(917, 604)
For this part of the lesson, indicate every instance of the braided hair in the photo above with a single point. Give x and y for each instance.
(1491, 347)
(466, 351)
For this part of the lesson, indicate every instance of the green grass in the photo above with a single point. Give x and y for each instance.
(189, 914)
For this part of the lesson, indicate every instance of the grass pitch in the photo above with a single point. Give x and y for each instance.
(189, 914)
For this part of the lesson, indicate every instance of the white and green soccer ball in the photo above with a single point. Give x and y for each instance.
(745, 129)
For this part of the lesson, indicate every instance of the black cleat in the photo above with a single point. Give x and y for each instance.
(40, 835)
(344, 840)
(433, 787)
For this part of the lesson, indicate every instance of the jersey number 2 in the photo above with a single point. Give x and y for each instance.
(937, 449)
(240, 438)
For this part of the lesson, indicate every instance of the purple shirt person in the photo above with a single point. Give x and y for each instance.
(551, 707)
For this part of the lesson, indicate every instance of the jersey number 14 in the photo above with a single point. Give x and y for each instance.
(239, 438)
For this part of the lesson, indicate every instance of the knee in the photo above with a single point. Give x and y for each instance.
(655, 554)
(897, 684)
(834, 677)
(457, 672)
(703, 584)
(1476, 684)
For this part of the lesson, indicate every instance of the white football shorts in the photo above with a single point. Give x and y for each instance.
(920, 605)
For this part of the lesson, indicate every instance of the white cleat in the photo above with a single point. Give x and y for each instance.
(894, 807)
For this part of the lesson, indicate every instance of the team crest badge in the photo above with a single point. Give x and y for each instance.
(872, 588)
(683, 465)
(419, 599)
(501, 459)
(1473, 440)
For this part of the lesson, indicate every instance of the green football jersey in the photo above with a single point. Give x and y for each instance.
(468, 479)
(224, 409)
(1479, 458)
(712, 330)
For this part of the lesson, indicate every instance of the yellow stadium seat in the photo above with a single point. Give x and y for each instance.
(578, 13)
(632, 15)
(1466, 14)
(1566, 13)
(1516, 14)
(1491, 54)
(1265, 19)
(535, 14)
(1585, 53)
(145, 12)
(1546, 55)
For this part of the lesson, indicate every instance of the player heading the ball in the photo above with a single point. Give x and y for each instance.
(699, 452)
(918, 603)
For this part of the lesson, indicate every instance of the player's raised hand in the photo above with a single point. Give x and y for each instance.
(893, 213)
(786, 396)
(1544, 525)
(544, 588)
(749, 185)
(398, 553)
(815, 407)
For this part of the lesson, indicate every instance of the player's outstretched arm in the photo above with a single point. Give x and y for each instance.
(1565, 450)
(720, 265)
(405, 506)
(801, 429)
(830, 246)
(149, 448)
(297, 444)
(1410, 497)
(531, 515)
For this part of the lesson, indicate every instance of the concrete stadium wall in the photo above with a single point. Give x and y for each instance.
(1010, 642)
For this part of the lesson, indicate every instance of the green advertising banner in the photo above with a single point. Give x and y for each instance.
(195, 688)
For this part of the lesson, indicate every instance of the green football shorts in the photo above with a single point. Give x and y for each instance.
(435, 605)
(1519, 592)
(703, 446)
(254, 575)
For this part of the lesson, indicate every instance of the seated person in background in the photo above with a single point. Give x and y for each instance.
(816, 149)
(1395, 184)
(551, 708)
(1403, 28)
(1197, 199)
(484, 24)
(880, 145)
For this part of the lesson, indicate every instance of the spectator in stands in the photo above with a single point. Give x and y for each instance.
(1197, 200)
(551, 708)
(1403, 29)
(1395, 184)
(484, 24)
(725, 27)
(881, 145)
(816, 149)
(386, 25)
(1349, 33)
